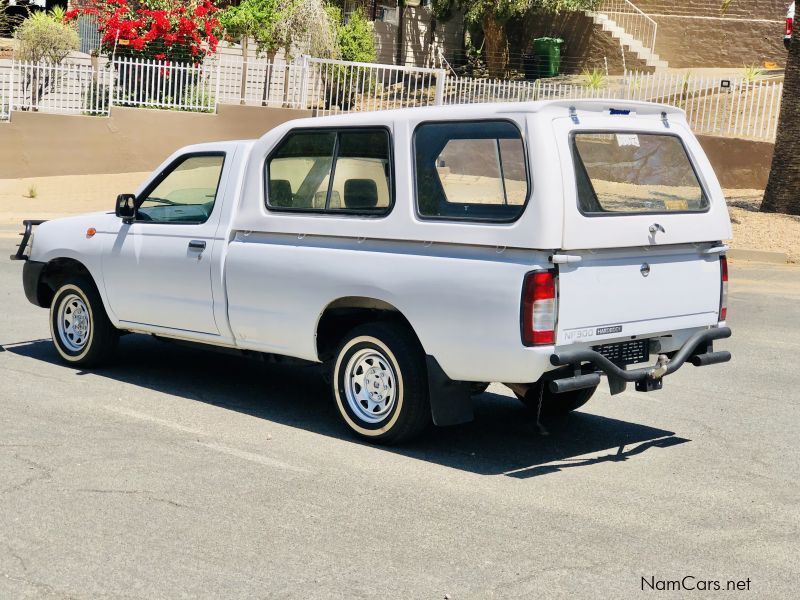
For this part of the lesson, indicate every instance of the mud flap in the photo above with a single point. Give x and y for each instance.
(451, 401)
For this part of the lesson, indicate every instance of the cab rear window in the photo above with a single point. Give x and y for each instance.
(635, 173)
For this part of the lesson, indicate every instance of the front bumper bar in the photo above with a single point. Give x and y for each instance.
(29, 224)
(698, 350)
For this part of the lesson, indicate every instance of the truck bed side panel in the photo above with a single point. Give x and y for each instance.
(463, 303)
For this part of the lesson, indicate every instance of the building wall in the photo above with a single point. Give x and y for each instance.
(586, 45)
(130, 140)
(694, 33)
(448, 35)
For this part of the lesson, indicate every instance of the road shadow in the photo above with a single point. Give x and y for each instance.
(503, 439)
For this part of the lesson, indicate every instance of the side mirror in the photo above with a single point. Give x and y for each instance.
(126, 207)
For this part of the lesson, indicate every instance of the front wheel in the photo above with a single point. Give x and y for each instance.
(555, 404)
(380, 383)
(81, 331)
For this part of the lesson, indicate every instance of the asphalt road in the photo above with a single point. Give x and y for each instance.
(182, 474)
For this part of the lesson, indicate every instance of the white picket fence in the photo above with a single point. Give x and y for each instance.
(731, 108)
(5, 94)
(259, 82)
(161, 84)
(65, 89)
(735, 107)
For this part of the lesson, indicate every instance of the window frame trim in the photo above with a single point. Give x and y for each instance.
(578, 160)
(167, 171)
(476, 220)
(326, 211)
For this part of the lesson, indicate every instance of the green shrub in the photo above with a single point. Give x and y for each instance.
(356, 39)
(41, 37)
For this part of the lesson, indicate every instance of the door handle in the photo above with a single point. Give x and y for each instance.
(197, 245)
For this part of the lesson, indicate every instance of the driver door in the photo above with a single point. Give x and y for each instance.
(157, 270)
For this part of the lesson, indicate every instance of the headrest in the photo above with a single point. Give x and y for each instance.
(360, 193)
(280, 192)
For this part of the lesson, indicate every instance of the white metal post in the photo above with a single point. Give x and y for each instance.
(113, 67)
(441, 77)
(216, 86)
(11, 90)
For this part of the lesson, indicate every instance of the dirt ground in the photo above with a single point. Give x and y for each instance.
(52, 197)
(753, 230)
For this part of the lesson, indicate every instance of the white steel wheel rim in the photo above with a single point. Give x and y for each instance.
(73, 323)
(370, 385)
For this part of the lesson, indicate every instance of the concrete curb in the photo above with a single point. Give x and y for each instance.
(779, 258)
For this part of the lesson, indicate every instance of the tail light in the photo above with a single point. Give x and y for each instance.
(539, 308)
(789, 26)
(723, 294)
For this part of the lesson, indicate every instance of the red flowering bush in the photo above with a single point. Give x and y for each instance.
(174, 30)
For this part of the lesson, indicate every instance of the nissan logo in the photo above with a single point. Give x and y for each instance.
(644, 270)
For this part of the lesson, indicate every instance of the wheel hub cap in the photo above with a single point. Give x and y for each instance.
(73, 323)
(370, 385)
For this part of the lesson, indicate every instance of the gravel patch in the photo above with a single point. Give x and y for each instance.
(753, 230)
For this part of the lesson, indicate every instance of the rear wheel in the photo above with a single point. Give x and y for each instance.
(555, 404)
(81, 331)
(380, 383)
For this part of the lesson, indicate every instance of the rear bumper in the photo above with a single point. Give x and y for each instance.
(588, 365)
(31, 274)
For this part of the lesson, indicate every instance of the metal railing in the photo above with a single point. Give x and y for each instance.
(163, 84)
(6, 83)
(737, 107)
(88, 33)
(259, 82)
(632, 20)
(58, 88)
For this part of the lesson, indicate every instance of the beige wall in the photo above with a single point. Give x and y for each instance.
(739, 164)
(417, 37)
(695, 33)
(135, 140)
(586, 45)
(132, 139)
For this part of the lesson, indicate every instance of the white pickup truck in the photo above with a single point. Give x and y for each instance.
(419, 253)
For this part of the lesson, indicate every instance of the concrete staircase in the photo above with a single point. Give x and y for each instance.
(628, 42)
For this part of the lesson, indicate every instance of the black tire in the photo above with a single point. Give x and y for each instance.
(477, 388)
(389, 358)
(94, 338)
(555, 404)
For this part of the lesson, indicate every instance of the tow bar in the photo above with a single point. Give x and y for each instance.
(698, 350)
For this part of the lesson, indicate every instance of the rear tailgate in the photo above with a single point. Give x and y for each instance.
(615, 294)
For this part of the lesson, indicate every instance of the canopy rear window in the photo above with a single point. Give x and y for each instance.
(635, 173)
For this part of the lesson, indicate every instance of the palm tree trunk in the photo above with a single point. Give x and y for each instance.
(783, 188)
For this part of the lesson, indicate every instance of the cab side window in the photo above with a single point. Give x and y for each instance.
(470, 171)
(344, 171)
(186, 194)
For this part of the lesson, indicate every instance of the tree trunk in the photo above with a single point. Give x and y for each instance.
(496, 44)
(783, 188)
(400, 53)
(265, 94)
